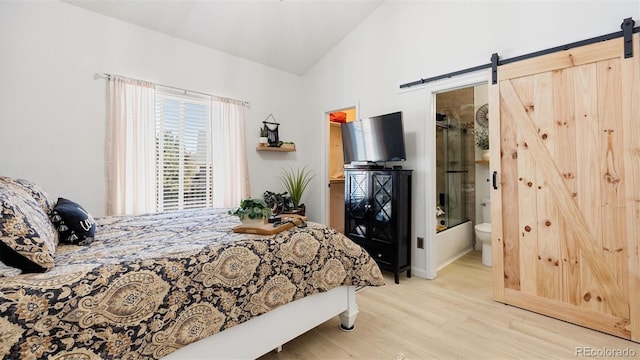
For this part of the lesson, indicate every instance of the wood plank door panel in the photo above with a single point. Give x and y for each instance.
(566, 238)
(631, 140)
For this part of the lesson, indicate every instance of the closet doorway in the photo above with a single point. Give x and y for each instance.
(335, 166)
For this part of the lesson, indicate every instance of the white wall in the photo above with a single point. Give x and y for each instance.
(53, 109)
(404, 41)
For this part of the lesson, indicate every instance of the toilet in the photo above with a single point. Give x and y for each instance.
(483, 232)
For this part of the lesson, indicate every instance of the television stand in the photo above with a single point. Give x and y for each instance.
(378, 216)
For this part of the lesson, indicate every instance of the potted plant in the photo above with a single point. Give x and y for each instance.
(482, 142)
(278, 202)
(295, 182)
(263, 139)
(252, 212)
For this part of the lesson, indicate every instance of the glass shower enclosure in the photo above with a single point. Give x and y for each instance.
(451, 172)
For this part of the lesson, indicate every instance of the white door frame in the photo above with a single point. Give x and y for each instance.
(456, 82)
(326, 194)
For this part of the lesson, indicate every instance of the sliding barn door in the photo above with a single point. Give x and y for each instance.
(565, 140)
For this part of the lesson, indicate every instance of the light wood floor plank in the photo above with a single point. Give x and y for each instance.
(452, 317)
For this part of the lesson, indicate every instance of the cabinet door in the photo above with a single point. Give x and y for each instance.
(356, 203)
(383, 227)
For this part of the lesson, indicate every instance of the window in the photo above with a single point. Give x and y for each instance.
(160, 153)
(184, 165)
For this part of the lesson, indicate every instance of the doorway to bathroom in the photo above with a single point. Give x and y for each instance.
(454, 158)
(457, 189)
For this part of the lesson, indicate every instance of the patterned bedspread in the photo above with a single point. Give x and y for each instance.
(151, 284)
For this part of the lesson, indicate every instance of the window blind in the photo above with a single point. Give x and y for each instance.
(183, 150)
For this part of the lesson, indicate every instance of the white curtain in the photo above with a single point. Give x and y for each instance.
(131, 183)
(230, 169)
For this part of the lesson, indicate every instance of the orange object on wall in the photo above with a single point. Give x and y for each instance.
(339, 117)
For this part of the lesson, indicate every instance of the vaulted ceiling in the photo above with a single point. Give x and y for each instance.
(290, 35)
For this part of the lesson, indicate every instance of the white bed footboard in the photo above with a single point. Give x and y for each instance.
(271, 330)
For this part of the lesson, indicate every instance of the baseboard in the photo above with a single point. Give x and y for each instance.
(455, 257)
(421, 273)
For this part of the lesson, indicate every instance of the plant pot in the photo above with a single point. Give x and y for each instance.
(252, 222)
(263, 141)
(301, 210)
(486, 154)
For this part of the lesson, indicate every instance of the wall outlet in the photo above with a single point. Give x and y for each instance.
(420, 243)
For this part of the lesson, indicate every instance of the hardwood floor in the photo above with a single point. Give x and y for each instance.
(452, 317)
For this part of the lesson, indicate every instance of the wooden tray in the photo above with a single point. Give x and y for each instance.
(269, 229)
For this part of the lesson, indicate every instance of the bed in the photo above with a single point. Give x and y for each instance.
(169, 285)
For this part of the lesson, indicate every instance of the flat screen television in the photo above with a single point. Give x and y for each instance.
(376, 139)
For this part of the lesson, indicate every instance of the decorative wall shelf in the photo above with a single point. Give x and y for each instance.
(283, 148)
(485, 162)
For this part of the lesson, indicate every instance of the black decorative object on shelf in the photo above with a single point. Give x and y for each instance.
(271, 128)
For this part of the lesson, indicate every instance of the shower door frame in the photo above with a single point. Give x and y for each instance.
(449, 175)
(470, 79)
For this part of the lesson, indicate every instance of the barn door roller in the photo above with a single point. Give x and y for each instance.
(494, 68)
(627, 32)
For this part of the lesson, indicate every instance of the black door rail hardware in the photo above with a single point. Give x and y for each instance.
(495, 60)
(626, 33)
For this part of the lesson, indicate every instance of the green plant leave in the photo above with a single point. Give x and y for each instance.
(482, 138)
(295, 181)
(251, 208)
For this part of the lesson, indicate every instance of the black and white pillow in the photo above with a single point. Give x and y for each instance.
(74, 224)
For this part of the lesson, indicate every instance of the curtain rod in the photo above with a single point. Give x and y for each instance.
(241, 102)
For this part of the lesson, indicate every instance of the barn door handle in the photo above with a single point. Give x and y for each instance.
(495, 180)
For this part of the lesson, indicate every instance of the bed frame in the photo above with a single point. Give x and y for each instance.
(271, 330)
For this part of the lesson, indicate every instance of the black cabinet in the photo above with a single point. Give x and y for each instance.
(378, 215)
